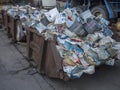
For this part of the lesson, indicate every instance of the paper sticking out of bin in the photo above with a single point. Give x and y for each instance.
(65, 42)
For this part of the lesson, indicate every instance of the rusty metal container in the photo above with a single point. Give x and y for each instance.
(4, 18)
(53, 62)
(1, 18)
(35, 44)
(45, 55)
(9, 26)
(2, 13)
(12, 27)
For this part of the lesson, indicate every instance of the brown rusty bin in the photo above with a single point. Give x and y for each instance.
(35, 44)
(4, 18)
(45, 55)
(12, 27)
(53, 62)
(9, 25)
(14, 31)
(3, 21)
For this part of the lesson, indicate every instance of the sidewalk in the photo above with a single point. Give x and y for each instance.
(14, 75)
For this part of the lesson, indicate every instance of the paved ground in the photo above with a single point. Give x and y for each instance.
(14, 73)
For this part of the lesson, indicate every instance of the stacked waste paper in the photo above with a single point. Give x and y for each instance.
(82, 40)
(26, 14)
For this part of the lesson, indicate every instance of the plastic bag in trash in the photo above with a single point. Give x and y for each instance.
(49, 35)
(85, 47)
(12, 12)
(69, 55)
(104, 21)
(89, 59)
(69, 22)
(40, 27)
(22, 15)
(111, 50)
(89, 70)
(30, 23)
(32, 17)
(51, 27)
(74, 58)
(20, 32)
(92, 38)
(6, 7)
(61, 38)
(118, 54)
(94, 55)
(60, 19)
(74, 48)
(110, 62)
(70, 17)
(68, 69)
(102, 53)
(116, 46)
(107, 32)
(77, 72)
(83, 61)
(51, 15)
(61, 50)
(106, 40)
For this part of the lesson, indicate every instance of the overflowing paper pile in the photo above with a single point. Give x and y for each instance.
(83, 40)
